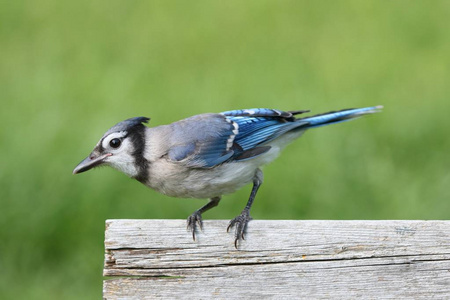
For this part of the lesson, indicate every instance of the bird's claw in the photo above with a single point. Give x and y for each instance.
(240, 222)
(192, 222)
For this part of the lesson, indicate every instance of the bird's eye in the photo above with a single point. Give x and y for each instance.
(115, 143)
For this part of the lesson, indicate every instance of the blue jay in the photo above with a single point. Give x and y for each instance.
(207, 155)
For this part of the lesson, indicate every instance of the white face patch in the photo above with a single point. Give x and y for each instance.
(122, 157)
(115, 135)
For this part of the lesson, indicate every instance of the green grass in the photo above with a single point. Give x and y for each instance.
(71, 69)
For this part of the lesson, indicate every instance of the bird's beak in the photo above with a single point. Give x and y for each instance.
(90, 162)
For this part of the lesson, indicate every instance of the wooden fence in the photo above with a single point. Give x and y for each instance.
(148, 259)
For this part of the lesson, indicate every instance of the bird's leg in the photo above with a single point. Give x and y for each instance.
(196, 217)
(240, 222)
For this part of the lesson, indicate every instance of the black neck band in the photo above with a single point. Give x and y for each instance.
(137, 136)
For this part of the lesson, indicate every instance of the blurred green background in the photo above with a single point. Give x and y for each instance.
(71, 69)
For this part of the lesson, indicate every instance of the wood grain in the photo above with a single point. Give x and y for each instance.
(278, 259)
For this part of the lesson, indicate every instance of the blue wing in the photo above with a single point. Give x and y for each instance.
(259, 126)
(205, 141)
(201, 141)
(264, 112)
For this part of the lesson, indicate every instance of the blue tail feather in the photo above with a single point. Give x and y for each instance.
(338, 116)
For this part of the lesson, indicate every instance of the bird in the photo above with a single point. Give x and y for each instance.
(208, 155)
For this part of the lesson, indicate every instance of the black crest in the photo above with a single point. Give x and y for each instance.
(128, 125)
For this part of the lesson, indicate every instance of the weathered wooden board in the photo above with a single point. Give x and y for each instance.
(278, 259)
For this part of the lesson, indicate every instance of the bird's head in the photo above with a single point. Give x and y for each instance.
(121, 147)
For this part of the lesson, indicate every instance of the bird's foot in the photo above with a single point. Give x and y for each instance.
(240, 222)
(192, 222)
